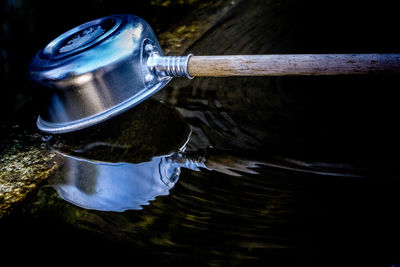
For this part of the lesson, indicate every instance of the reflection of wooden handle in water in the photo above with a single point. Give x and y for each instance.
(300, 64)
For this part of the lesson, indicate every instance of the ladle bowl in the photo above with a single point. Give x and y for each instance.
(95, 71)
(106, 66)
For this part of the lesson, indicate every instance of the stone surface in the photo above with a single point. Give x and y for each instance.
(25, 162)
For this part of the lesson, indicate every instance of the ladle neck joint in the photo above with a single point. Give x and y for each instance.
(172, 66)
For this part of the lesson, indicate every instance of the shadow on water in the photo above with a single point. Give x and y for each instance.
(281, 171)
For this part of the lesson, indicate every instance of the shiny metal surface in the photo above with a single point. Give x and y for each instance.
(169, 66)
(95, 71)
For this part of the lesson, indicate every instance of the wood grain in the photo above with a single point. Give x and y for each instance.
(295, 64)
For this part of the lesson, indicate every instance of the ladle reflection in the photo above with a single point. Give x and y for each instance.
(121, 186)
(130, 186)
(137, 157)
(116, 186)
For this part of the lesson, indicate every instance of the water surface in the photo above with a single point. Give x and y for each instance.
(265, 171)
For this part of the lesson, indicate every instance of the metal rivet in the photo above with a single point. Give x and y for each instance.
(149, 78)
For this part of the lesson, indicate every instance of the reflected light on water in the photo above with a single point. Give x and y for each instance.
(115, 186)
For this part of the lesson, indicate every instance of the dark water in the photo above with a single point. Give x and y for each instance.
(295, 171)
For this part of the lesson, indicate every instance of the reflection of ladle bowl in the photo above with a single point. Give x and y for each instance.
(123, 163)
(114, 186)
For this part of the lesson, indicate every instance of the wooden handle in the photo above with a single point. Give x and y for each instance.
(300, 64)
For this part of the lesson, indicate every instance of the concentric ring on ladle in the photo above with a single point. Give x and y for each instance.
(81, 37)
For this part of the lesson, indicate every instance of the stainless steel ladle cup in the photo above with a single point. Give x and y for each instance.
(98, 70)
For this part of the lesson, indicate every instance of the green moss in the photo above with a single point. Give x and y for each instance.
(23, 166)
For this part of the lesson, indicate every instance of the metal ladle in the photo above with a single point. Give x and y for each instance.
(106, 66)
